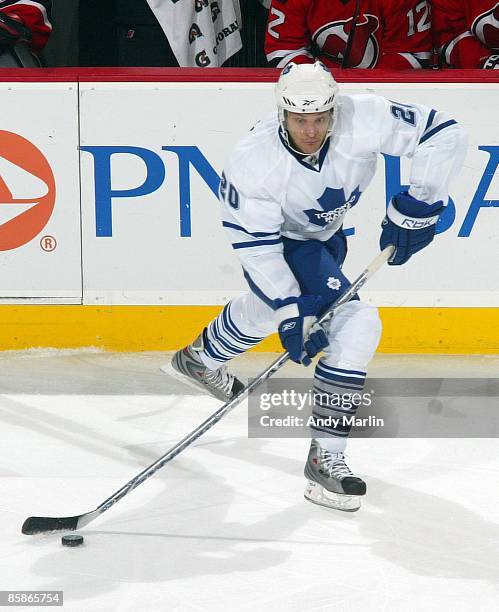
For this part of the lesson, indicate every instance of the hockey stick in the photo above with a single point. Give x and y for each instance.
(42, 524)
(348, 50)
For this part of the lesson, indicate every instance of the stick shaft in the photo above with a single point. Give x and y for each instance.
(45, 524)
(348, 49)
(223, 410)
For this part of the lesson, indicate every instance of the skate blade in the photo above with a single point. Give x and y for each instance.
(317, 494)
(171, 371)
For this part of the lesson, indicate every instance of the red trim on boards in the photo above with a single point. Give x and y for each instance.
(235, 75)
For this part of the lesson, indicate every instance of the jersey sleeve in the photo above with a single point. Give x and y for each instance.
(35, 15)
(457, 27)
(287, 37)
(464, 51)
(483, 20)
(253, 220)
(434, 141)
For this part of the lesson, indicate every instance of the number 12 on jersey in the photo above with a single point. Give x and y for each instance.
(423, 12)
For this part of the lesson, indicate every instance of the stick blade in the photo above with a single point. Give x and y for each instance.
(43, 524)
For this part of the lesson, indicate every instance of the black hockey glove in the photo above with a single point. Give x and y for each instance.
(299, 335)
(409, 225)
(12, 31)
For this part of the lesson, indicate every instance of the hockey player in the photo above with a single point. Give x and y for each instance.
(284, 192)
(467, 33)
(406, 40)
(301, 31)
(392, 34)
(25, 21)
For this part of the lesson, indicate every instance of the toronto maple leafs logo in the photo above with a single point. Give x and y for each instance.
(334, 205)
(333, 283)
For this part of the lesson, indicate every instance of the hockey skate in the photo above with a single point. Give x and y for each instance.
(330, 481)
(187, 367)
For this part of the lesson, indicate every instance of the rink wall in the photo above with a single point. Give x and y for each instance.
(109, 225)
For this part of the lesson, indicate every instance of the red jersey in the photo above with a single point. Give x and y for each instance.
(304, 30)
(35, 15)
(406, 25)
(466, 33)
(389, 33)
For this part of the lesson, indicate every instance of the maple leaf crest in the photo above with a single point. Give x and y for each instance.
(334, 205)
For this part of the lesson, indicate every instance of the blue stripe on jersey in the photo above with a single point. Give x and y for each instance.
(223, 339)
(231, 327)
(334, 408)
(338, 433)
(255, 234)
(339, 379)
(400, 104)
(340, 370)
(232, 333)
(435, 130)
(429, 123)
(256, 243)
(258, 292)
(213, 353)
(343, 415)
(219, 337)
(226, 329)
(345, 384)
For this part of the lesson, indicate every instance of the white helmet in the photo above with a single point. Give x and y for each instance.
(306, 88)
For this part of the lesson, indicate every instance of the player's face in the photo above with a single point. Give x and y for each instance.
(307, 130)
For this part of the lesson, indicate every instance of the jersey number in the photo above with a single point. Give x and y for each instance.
(404, 114)
(423, 23)
(228, 192)
(279, 18)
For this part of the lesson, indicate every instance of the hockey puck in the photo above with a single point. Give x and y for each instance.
(72, 540)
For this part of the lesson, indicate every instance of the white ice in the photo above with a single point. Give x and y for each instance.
(225, 526)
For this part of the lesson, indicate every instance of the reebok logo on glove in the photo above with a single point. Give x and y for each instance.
(299, 333)
(409, 226)
(416, 224)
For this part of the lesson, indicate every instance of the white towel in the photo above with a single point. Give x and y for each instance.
(201, 33)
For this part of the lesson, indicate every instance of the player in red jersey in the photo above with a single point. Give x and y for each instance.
(25, 21)
(394, 34)
(304, 30)
(467, 33)
(407, 38)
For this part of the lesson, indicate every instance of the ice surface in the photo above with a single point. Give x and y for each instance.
(225, 525)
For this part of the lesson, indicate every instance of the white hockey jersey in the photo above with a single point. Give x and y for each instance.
(268, 191)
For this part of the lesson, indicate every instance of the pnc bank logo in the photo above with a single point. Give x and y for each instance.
(27, 191)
